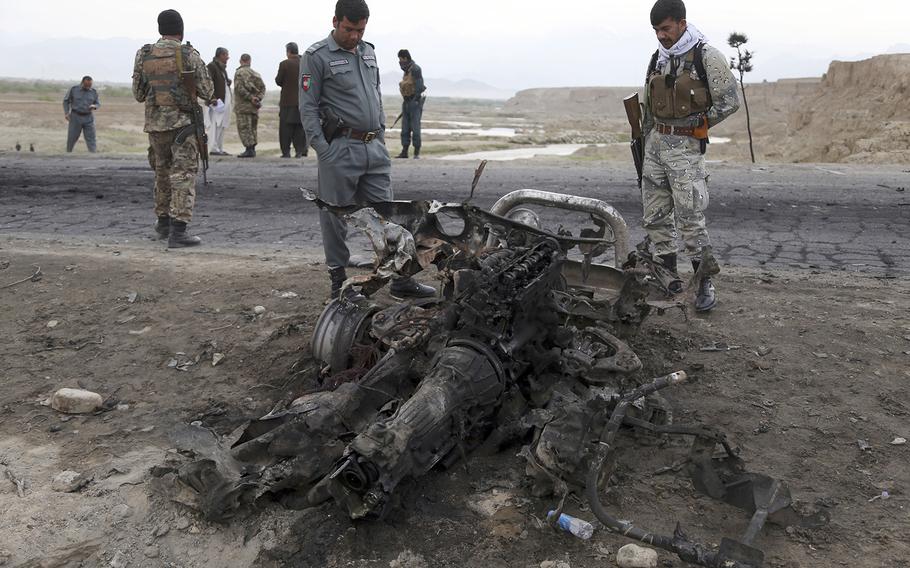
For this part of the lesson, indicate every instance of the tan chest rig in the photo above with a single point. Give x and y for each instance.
(679, 96)
(407, 86)
(161, 67)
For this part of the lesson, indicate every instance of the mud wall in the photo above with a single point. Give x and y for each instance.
(859, 113)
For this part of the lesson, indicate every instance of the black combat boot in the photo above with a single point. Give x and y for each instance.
(337, 276)
(250, 152)
(179, 238)
(706, 297)
(404, 152)
(403, 288)
(416, 153)
(163, 227)
(676, 285)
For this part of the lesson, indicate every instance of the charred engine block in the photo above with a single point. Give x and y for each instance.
(523, 346)
(497, 308)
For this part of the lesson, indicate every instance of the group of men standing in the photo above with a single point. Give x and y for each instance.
(689, 89)
(246, 100)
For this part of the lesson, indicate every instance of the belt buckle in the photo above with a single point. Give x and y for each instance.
(369, 136)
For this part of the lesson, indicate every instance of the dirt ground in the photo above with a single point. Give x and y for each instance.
(820, 362)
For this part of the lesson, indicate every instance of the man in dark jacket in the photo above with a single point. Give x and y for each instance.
(218, 116)
(290, 128)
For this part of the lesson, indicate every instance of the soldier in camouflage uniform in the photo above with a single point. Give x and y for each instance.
(689, 89)
(249, 89)
(173, 149)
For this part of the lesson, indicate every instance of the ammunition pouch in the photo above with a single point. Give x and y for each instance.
(680, 96)
(407, 87)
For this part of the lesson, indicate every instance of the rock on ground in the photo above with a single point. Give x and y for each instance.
(68, 482)
(76, 401)
(634, 556)
(408, 559)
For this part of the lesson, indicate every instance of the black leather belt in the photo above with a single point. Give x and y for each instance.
(80, 113)
(360, 135)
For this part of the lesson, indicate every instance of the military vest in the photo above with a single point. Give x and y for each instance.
(407, 86)
(162, 67)
(679, 96)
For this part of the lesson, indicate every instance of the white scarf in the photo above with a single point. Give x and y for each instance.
(687, 41)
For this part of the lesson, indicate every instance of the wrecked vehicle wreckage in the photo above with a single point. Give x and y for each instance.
(523, 347)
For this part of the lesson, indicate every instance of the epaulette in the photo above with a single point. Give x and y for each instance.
(316, 46)
(369, 44)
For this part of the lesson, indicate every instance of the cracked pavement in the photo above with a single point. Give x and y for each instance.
(828, 217)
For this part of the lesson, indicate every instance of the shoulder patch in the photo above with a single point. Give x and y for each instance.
(338, 62)
(316, 46)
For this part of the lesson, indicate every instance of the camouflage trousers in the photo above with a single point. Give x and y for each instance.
(175, 166)
(674, 193)
(247, 123)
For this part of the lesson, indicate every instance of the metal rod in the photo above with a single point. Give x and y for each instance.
(595, 207)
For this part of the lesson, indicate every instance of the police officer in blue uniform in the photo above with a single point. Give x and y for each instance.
(339, 83)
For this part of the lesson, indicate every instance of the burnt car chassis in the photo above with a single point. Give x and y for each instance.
(522, 344)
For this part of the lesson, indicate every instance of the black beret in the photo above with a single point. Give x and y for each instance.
(170, 23)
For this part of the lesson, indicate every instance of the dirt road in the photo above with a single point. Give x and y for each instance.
(814, 297)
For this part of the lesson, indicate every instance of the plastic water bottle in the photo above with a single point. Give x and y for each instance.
(578, 527)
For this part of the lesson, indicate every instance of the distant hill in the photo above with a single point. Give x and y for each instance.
(111, 61)
(461, 89)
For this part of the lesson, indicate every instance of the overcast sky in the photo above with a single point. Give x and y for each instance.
(510, 44)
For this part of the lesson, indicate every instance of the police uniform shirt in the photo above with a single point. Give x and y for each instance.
(345, 81)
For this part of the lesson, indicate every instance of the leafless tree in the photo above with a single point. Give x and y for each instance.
(742, 64)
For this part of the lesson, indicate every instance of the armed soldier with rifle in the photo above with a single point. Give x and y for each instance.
(689, 88)
(168, 77)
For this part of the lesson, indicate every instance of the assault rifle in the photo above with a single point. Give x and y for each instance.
(633, 113)
(188, 78)
(421, 99)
